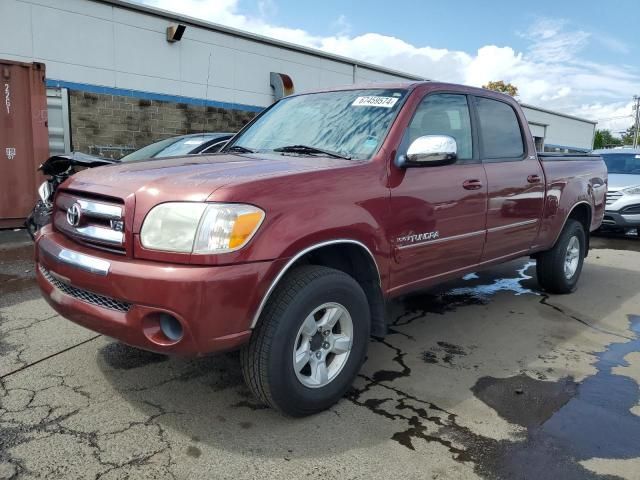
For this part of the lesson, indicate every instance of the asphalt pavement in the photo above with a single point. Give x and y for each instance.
(482, 377)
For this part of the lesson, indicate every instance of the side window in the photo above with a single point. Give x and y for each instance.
(444, 114)
(500, 134)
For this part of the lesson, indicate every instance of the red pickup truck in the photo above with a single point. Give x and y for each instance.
(289, 242)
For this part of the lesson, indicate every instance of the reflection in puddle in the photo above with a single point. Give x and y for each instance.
(500, 285)
(566, 423)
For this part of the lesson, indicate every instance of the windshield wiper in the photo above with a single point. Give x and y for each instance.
(310, 150)
(239, 149)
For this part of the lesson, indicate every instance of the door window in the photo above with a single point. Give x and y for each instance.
(500, 134)
(444, 114)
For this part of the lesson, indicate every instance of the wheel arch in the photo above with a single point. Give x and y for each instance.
(582, 212)
(350, 256)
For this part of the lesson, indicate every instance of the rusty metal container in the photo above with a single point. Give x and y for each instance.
(24, 138)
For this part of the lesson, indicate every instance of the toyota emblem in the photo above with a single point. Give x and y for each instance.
(73, 215)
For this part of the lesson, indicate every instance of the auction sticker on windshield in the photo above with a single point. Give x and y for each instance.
(385, 102)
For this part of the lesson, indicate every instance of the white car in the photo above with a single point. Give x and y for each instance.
(623, 197)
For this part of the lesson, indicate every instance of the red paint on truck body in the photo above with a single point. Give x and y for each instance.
(308, 201)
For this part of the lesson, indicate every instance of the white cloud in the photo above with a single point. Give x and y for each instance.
(552, 72)
(267, 8)
(550, 42)
(341, 26)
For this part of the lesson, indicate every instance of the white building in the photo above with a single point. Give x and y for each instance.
(114, 55)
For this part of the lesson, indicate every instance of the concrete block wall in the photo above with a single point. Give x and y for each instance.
(128, 123)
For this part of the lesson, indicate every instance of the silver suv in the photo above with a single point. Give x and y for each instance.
(623, 198)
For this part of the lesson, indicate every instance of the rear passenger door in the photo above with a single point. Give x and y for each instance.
(515, 180)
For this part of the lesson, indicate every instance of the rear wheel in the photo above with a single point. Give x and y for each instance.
(310, 341)
(559, 269)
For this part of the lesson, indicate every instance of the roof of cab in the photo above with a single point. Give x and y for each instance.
(409, 85)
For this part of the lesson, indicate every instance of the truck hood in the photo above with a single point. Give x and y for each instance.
(193, 178)
(618, 181)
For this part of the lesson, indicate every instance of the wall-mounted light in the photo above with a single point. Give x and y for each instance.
(282, 85)
(175, 32)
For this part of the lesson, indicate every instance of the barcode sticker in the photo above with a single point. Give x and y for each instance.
(384, 102)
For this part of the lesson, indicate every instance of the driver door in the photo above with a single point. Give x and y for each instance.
(438, 213)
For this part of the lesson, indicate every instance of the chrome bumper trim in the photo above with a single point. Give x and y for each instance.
(79, 260)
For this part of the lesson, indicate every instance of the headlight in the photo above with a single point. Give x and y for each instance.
(44, 190)
(200, 227)
(632, 190)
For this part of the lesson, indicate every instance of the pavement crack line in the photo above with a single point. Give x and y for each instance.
(24, 367)
(545, 301)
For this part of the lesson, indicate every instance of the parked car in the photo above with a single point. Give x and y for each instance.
(60, 167)
(193, 144)
(623, 199)
(57, 169)
(289, 242)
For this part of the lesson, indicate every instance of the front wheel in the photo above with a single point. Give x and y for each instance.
(310, 341)
(559, 269)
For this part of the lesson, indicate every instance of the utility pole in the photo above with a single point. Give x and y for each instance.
(636, 132)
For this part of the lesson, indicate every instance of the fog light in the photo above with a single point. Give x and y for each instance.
(170, 327)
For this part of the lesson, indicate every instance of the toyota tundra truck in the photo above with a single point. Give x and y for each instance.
(289, 243)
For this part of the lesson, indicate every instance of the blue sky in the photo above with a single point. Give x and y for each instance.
(580, 57)
(468, 25)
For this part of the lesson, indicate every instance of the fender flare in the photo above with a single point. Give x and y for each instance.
(295, 258)
(564, 223)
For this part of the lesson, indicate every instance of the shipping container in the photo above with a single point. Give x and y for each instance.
(24, 138)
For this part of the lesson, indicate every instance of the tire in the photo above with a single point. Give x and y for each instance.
(283, 330)
(550, 265)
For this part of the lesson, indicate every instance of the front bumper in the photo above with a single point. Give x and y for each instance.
(622, 220)
(214, 304)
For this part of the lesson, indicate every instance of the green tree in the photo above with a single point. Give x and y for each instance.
(604, 139)
(627, 137)
(502, 87)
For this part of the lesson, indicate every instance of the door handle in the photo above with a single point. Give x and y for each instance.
(472, 185)
(533, 178)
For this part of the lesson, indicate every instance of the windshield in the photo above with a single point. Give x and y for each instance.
(169, 147)
(628, 163)
(350, 123)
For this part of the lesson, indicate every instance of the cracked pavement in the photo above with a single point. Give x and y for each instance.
(483, 377)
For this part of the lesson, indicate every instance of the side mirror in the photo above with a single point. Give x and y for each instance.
(429, 151)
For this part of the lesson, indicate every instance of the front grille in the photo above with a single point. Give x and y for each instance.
(84, 295)
(613, 197)
(98, 221)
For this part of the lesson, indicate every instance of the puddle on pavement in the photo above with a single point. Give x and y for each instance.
(22, 253)
(15, 283)
(16, 259)
(472, 289)
(565, 422)
(524, 400)
(514, 285)
(444, 352)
